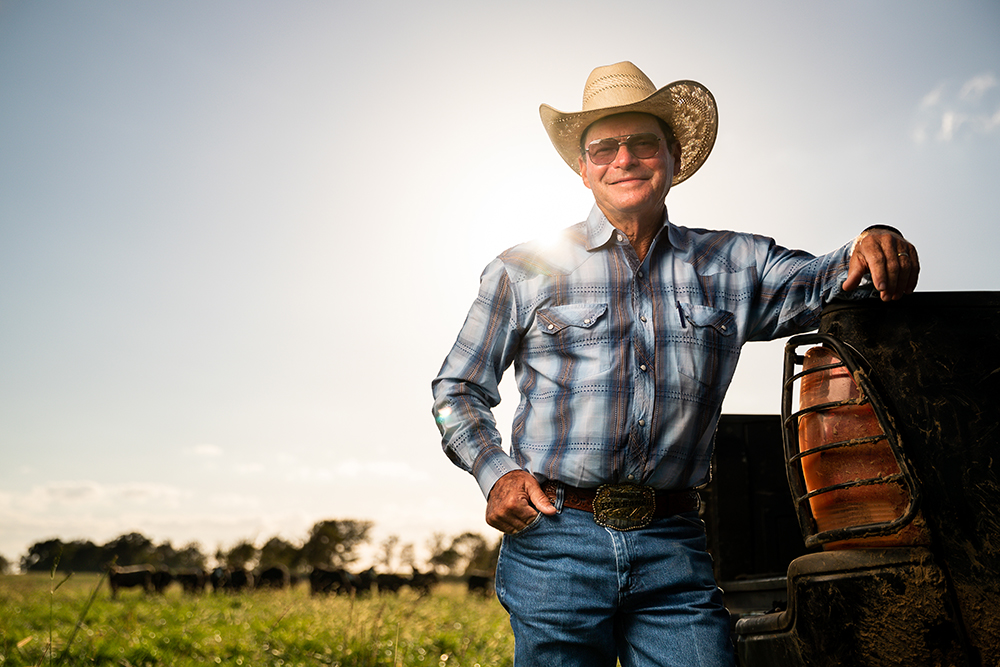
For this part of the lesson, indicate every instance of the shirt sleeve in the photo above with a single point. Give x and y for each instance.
(467, 386)
(795, 285)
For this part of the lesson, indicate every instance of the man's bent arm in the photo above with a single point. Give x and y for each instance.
(467, 387)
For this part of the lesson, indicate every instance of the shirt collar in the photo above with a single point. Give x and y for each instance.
(600, 230)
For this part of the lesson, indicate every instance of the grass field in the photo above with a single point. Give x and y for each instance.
(54, 621)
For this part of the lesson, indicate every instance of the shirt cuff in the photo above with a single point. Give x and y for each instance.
(488, 471)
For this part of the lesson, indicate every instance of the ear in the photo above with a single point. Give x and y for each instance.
(583, 171)
(675, 152)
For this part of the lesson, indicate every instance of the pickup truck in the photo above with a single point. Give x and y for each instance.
(861, 527)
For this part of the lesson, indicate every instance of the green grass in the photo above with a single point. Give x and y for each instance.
(46, 621)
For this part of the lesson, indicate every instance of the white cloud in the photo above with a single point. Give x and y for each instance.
(379, 469)
(948, 115)
(84, 495)
(977, 86)
(205, 451)
(932, 98)
(249, 468)
(233, 501)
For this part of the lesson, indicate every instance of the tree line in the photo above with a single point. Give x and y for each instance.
(331, 543)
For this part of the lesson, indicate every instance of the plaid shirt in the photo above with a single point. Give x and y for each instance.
(621, 366)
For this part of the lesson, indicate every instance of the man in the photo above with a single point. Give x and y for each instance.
(624, 336)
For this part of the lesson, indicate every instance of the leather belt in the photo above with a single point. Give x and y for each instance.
(624, 506)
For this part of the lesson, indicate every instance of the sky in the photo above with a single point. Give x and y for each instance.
(237, 238)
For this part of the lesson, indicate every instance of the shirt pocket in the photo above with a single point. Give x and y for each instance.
(571, 341)
(707, 350)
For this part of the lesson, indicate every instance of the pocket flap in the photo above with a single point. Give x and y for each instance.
(723, 321)
(555, 319)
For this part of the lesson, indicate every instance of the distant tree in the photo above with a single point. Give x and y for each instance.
(4, 565)
(277, 551)
(386, 556)
(392, 556)
(407, 556)
(485, 560)
(163, 555)
(443, 556)
(468, 551)
(84, 556)
(332, 542)
(190, 557)
(130, 549)
(243, 554)
(43, 556)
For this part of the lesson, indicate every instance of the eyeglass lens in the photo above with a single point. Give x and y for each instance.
(641, 146)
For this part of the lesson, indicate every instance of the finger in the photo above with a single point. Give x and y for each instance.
(882, 279)
(914, 271)
(902, 277)
(540, 500)
(855, 272)
(911, 261)
(510, 523)
(907, 271)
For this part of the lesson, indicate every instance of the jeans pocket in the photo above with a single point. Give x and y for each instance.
(691, 518)
(531, 526)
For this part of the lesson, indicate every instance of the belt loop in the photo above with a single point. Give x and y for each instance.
(550, 488)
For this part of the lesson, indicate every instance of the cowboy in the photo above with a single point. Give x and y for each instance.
(624, 335)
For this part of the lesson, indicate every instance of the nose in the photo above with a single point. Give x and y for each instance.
(624, 156)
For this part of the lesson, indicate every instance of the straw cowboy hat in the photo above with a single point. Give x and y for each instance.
(687, 107)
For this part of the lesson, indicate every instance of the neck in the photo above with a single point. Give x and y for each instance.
(640, 230)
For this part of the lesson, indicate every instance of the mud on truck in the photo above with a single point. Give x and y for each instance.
(861, 526)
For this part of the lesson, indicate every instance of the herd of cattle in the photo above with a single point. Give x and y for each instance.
(321, 580)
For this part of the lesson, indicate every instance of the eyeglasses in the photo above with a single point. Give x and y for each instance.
(642, 146)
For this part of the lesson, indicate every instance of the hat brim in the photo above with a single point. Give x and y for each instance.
(687, 107)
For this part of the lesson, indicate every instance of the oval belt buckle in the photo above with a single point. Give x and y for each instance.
(624, 506)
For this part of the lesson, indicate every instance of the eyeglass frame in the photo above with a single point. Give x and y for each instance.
(623, 140)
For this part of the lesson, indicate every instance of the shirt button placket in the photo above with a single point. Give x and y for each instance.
(644, 390)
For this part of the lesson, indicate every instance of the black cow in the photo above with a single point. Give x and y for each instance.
(161, 579)
(231, 580)
(389, 583)
(330, 581)
(480, 584)
(276, 576)
(132, 576)
(218, 578)
(240, 579)
(423, 582)
(192, 581)
(364, 581)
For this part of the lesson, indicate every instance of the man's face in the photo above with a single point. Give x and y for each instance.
(629, 186)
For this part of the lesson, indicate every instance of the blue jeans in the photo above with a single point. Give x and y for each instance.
(579, 594)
